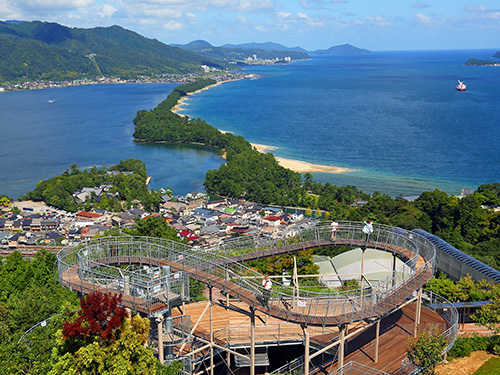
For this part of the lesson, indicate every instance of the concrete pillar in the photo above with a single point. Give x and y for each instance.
(159, 321)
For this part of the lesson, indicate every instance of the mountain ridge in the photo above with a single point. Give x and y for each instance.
(341, 49)
(240, 55)
(49, 51)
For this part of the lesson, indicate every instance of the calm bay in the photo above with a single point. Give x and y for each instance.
(90, 126)
(394, 118)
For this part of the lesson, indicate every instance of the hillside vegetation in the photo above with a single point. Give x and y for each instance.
(32, 51)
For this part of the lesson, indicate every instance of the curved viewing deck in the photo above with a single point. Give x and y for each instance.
(153, 274)
(101, 264)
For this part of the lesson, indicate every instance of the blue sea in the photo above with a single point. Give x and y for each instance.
(90, 126)
(394, 118)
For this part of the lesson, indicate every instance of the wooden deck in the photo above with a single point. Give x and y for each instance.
(234, 326)
(318, 311)
(394, 332)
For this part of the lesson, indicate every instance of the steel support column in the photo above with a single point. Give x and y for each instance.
(418, 312)
(306, 350)
(377, 336)
(252, 341)
(211, 334)
(159, 321)
(341, 344)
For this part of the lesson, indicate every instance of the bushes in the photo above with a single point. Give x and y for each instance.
(464, 347)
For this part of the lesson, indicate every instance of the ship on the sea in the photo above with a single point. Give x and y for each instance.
(461, 86)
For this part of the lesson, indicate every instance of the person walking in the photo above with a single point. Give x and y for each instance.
(368, 229)
(268, 288)
(334, 226)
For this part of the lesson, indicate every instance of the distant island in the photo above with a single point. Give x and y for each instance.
(478, 62)
(344, 49)
(256, 52)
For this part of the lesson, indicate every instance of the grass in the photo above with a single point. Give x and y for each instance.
(491, 367)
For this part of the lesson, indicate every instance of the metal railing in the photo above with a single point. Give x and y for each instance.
(430, 300)
(297, 366)
(219, 267)
(354, 368)
(446, 310)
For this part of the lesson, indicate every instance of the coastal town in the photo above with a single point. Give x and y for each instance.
(28, 225)
(207, 72)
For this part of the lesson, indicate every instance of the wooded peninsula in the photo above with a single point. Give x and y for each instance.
(255, 176)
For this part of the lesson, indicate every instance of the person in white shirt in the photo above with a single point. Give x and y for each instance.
(268, 287)
(334, 226)
(368, 229)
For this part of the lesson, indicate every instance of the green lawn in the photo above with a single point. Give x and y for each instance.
(491, 367)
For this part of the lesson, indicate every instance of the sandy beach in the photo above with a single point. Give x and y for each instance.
(294, 165)
(301, 166)
(184, 99)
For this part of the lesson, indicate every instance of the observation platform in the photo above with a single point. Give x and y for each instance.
(153, 274)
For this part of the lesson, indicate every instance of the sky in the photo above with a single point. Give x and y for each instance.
(311, 24)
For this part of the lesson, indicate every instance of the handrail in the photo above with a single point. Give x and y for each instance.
(219, 266)
(448, 311)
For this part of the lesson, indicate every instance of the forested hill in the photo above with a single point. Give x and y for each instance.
(240, 55)
(36, 50)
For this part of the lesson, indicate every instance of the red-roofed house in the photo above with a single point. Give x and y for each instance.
(88, 215)
(272, 221)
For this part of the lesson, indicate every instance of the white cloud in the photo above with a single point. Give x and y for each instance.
(53, 4)
(260, 28)
(242, 6)
(319, 4)
(421, 18)
(162, 13)
(287, 19)
(241, 18)
(248, 6)
(420, 5)
(173, 25)
(105, 10)
(477, 9)
(375, 21)
(483, 12)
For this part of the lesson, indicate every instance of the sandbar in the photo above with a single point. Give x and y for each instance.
(183, 101)
(294, 165)
(301, 166)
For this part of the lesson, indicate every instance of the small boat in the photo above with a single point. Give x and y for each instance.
(461, 86)
(51, 101)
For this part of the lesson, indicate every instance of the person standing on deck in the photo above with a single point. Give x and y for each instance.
(368, 229)
(268, 287)
(334, 226)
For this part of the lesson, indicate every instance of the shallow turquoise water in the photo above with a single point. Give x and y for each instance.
(393, 117)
